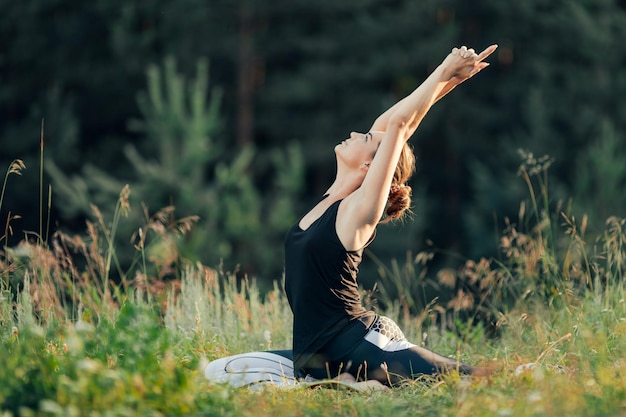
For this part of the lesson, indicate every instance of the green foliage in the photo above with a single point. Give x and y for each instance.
(192, 171)
(551, 283)
(547, 260)
(79, 67)
(601, 176)
(133, 361)
(312, 72)
(126, 366)
(216, 312)
(124, 355)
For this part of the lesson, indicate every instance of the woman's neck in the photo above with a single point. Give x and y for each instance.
(343, 186)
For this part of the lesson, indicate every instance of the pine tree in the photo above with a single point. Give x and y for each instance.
(193, 172)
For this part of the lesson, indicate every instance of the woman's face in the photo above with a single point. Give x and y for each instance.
(359, 149)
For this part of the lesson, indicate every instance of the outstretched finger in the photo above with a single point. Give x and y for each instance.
(488, 51)
(479, 67)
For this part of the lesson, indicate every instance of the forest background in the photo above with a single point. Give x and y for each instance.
(229, 111)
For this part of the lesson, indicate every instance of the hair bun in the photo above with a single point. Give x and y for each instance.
(399, 200)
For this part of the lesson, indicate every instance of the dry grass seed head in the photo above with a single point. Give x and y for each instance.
(462, 301)
(93, 253)
(47, 287)
(16, 167)
(124, 200)
(447, 277)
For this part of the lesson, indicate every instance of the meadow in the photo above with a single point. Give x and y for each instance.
(81, 337)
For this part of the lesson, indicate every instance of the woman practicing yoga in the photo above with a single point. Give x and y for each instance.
(333, 334)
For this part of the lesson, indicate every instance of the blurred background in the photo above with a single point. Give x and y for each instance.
(229, 110)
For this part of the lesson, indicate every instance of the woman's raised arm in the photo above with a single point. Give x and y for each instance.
(365, 207)
(380, 124)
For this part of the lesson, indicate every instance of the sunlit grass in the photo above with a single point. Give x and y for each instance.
(78, 336)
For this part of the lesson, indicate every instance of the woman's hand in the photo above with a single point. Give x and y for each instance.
(463, 63)
(460, 65)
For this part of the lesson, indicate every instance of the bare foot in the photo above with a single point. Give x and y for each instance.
(370, 384)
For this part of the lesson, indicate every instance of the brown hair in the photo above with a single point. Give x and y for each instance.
(399, 200)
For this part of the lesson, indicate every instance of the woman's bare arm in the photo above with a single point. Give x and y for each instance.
(365, 206)
(380, 124)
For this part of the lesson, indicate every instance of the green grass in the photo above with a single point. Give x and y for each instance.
(77, 341)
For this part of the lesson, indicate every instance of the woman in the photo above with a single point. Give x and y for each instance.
(333, 333)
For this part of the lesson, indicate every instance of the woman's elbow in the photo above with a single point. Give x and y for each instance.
(398, 121)
(403, 127)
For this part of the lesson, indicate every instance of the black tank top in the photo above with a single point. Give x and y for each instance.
(321, 286)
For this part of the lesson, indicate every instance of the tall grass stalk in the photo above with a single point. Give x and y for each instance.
(537, 168)
(216, 310)
(122, 208)
(42, 239)
(16, 168)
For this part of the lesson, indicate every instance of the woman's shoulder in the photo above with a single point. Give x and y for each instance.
(354, 232)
